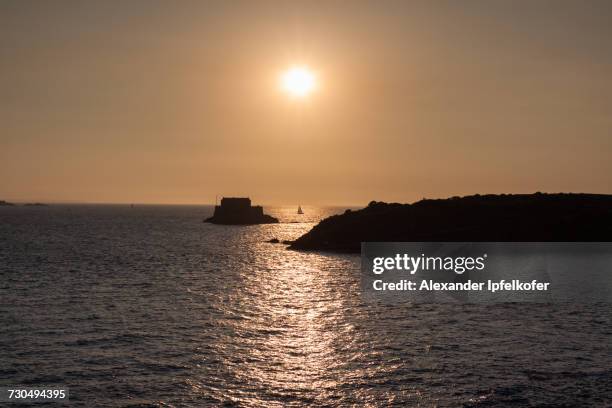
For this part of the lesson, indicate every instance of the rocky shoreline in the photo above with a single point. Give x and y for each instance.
(477, 218)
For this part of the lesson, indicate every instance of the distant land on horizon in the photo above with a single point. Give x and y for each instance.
(476, 218)
(303, 203)
(25, 204)
(352, 206)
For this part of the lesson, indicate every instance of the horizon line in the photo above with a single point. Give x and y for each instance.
(348, 205)
(128, 203)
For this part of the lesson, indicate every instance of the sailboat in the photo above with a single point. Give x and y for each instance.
(300, 210)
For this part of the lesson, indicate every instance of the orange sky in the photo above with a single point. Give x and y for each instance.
(175, 102)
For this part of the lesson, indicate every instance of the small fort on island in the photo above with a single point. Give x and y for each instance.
(239, 211)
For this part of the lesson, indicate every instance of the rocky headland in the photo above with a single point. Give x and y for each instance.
(476, 218)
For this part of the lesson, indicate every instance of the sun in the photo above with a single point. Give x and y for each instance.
(298, 81)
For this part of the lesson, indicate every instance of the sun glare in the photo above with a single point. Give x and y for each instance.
(298, 81)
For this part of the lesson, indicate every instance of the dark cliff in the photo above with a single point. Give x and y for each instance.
(506, 217)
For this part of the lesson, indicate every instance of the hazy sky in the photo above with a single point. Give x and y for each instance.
(177, 101)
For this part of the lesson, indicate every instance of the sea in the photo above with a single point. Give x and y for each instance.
(147, 306)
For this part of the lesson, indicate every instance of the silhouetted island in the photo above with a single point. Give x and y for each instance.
(2, 202)
(501, 218)
(238, 211)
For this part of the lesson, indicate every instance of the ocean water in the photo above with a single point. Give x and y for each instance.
(148, 306)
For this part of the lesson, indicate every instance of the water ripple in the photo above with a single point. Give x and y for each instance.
(150, 307)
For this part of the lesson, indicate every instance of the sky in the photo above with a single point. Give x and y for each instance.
(178, 102)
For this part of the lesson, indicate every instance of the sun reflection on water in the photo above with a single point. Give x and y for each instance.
(293, 326)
